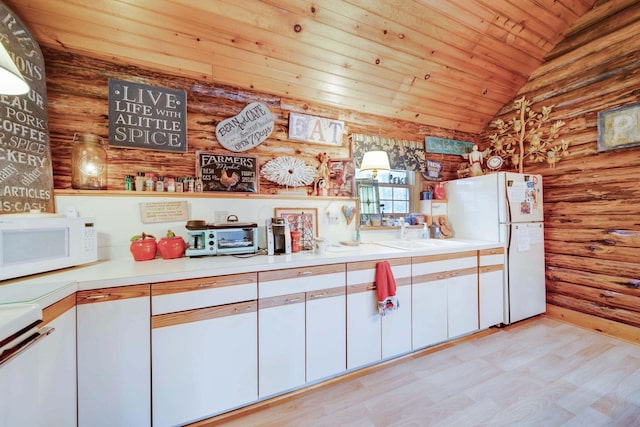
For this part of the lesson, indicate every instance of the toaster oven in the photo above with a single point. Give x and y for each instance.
(230, 238)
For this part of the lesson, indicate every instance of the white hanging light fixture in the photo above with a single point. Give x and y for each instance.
(11, 80)
(375, 161)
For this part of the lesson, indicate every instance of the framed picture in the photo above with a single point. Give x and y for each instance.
(304, 220)
(619, 127)
(341, 177)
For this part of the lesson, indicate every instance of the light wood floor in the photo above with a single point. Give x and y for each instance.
(540, 372)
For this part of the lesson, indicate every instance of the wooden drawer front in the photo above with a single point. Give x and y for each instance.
(490, 268)
(427, 265)
(325, 293)
(199, 293)
(361, 277)
(280, 300)
(172, 319)
(112, 294)
(492, 251)
(492, 259)
(441, 275)
(57, 309)
(178, 286)
(284, 282)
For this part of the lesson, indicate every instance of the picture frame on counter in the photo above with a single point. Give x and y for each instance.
(301, 219)
(619, 127)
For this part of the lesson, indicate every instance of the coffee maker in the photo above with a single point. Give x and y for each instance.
(278, 236)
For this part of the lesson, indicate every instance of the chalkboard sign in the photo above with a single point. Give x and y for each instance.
(223, 172)
(26, 176)
(147, 117)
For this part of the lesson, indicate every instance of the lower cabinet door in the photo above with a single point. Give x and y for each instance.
(429, 312)
(364, 338)
(114, 372)
(326, 333)
(204, 362)
(396, 326)
(462, 305)
(281, 343)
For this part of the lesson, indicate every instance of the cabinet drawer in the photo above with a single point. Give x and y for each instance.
(180, 295)
(445, 263)
(294, 280)
(361, 276)
(491, 257)
(172, 319)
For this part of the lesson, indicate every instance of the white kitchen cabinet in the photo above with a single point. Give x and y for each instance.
(326, 332)
(301, 326)
(204, 359)
(39, 384)
(281, 343)
(371, 337)
(491, 287)
(114, 372)
(445, 297)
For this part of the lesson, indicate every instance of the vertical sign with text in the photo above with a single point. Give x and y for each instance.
(147, 117)
(26, 176)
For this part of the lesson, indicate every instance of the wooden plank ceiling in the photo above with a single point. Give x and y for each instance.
(447, 63)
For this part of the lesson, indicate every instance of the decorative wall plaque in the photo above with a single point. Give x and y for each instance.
(246, 130)
(447, 146)
(147, 117)
(223, 172)
(26, 176)
(319, 130)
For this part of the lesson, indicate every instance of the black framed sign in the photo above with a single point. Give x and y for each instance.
(147, 117)
(26, 174)
(224, 172)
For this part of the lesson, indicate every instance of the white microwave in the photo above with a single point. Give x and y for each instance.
(36, 244)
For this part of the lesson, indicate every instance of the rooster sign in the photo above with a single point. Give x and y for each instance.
(223, 172)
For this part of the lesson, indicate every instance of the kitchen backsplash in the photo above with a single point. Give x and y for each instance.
(119, 218)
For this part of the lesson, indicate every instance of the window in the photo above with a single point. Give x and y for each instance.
(395, 190)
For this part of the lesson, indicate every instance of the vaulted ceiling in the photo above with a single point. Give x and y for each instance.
(446, 63)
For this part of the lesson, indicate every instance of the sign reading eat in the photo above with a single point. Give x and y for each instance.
(315, 129)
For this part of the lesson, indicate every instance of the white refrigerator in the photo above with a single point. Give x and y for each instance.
(506, 207)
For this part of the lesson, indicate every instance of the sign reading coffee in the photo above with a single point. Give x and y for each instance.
(148, 117)
(26, 176)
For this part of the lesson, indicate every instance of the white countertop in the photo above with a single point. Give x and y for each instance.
(47, 288)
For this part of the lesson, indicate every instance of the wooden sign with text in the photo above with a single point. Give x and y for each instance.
(224, 172)
(248, 129)
(319, 130)
(26, 176)
(147, 117)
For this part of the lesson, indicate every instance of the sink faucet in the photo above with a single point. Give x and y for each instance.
(403, 230)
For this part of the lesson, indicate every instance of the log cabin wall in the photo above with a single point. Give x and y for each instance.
(78, 102)
(592, 214)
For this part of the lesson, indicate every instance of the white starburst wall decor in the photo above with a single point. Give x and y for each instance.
(289, 171)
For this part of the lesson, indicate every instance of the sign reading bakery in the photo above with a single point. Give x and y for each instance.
(26, 176)
(147, 117)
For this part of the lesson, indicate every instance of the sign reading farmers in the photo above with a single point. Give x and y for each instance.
(148, 117)
(223, 172)
(26, 176)
(246, 130)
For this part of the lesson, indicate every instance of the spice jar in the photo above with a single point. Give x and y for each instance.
(88, 163)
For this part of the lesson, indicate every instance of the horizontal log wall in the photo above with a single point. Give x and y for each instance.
(592, 199)
(78, 102)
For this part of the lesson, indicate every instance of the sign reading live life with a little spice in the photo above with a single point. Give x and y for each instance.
(249, 128)
(224, 172)
(147, 117)
(26, 176)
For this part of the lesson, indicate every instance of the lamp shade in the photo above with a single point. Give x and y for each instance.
(375, 161)
(11, 80)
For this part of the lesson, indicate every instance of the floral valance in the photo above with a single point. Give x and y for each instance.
(403, 154)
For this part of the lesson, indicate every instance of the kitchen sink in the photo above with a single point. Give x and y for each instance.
(420, 243)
